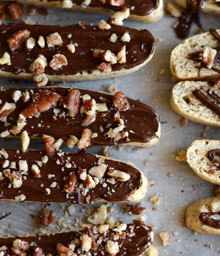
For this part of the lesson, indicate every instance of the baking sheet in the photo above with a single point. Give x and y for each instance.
(175, 192)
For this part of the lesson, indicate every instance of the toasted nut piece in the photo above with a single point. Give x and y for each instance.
(116, 2)
(86, 242)
(30, 43)
(58, 61)
(46, 101)
(63, 250)
(112, 247)
(109, 56)
(16, 11)
(71, 48)
(36, 171)
(122, 55)
(152, 251)
(16, 95)
(6, 109)
(54, 39)
(23, 166)
(67, 4)
(89, 182)
(172, 10)
(25, 141)
(21, 123)
(103, 228)
(17, 39)
(39, 64)
(104, 26)
(47, 217)
(5, 59)
(58, 144)
(73, 102)
(208, 56)
(99, 216)
(122, 176)
(165, 237)
(120, 101)
(85, 140)
(40, 80)
(98, 171)
(82, 174)
(25, 96)
(70, 184)
(16, 179)
(48, 144)
(20, 244)
(41, 42)
(97, 53)
(118, 17)
(113, 38)
(121, 227)
(71, 141)
(105, 67)
(126, 37)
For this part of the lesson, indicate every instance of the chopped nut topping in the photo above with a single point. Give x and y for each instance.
(112, 247)
(122, 176)
(105, 67)
(63, 250)
(98, 171)
(40, 80)
(120, 101)
(122, 55)
(16, 95)
(113, 38)
(109, 56)
(6, 109)
(71, 141)
(126, 37)
(103, 228)
(5, 59)
(165, 237)
(73, 102)
(21, 123)
(47, 217)
(16, 11)
(90, 182)
(23, 166)
(70, 183)
(85, 140)
(58, 61)
(39, 252)
(54, 39)
(58, 144)
(104, 26)
(208, 56)
(17, 39)
(48, 144)
(118, 17)
(86, 242)
(39, 64)
(181, 156)
(36, 171)
(41, 42)
(25, 141)
(71, 48)
(85, 3)
(155, 200)
(67, 4)
(100, 216)
(133, 209)
(20, 244)
(30, 43)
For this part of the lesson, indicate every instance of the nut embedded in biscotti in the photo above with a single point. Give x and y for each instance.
(16, 11)
(17, 39)
(49, 144)
(116, 2)
(70, 184)
(122, 176)
(54, 39)
(73, 102)
(85, 140)
(118, 17)
(38, 65)
(120, 101)
(58, 61)
(208, 56)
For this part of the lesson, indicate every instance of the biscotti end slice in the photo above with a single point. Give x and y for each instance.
(151, 16)
(187, 105)
(202, 157)
(203, 216)
(184, 68)
(208, 6)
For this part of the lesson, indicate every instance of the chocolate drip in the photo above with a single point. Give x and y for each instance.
(207, 219)
(137, 7)
(190, 15)
(213, 156)
(211, 102)
(135, 246)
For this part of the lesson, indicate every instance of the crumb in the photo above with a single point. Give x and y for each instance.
(112, 89)
(146, 163)
(181, 156)
(162, 71)
(154, 200)
(175, 233)
(165, 237)
(150, 183)
(169, 174)
(183, 122)
(203, 134)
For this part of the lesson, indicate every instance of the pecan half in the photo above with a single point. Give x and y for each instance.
(47, 217)
(16, 11)
(73, 102)
(46, 101)
(49, 144)
(133, 209)
(120, 101)
(17, 39)
(70, 183)
(58, 61)
(85, 140)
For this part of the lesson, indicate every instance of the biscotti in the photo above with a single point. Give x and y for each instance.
(79, 117)
(203, 216)
(203, 157)
(75, 178)
(144, 10)
(208, 6)
(197, 101)
(77, 52)
(125, 239)
(197, 57)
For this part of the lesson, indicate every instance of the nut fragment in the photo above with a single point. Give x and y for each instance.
(208, 56)
(118, 17)
(122, 55)
(48, 144)
(70, 184)
(98, 171)
(71, 48)
(25, 141)
(36, 171)
(5, 59)
(16, 11)
(86, 242)
(112, 247)
(126, 37)
(6, 109)
(16, 95)
(99, 216)
(40, 80)
(165, 237)
(38, 65)
(41, 42)
(47, 217)
(73, 102)
(85, 140)
(116, 2)
(63, 250)
(18, 38)
(122, 176)
(58, 61)
(105, 67)
(109, 56)
(54, 39)
(120, 101)
(30, 43)
(104, 26)
(71, 141)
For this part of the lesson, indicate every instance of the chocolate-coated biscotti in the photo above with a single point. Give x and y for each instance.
(81, 117)
(144, 10)
(78, 178)
(77, 52)
(125, 239)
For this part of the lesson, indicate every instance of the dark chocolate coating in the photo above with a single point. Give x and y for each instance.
(206, 219)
